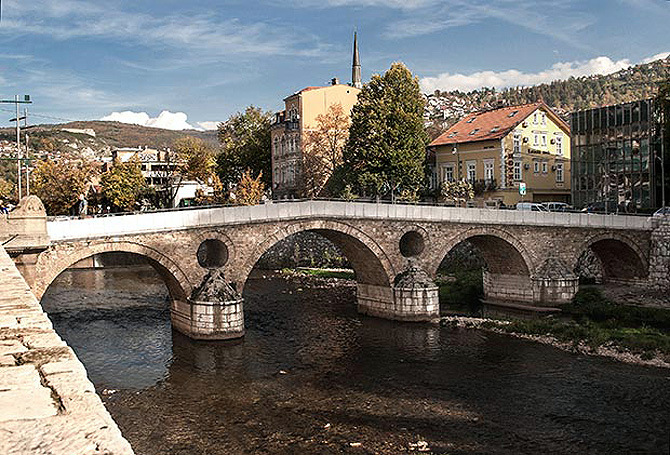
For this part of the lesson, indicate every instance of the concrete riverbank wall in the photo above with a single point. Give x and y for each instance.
(47, 403)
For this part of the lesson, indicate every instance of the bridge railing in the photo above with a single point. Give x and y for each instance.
(157, 221)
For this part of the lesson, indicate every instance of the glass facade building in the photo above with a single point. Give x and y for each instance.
(616, 156)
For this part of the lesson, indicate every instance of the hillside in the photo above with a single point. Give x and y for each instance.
(443, 109)
(108, 135)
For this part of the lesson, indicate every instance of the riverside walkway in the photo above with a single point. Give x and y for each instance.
(47, 403)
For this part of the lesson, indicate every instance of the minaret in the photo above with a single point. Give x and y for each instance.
(356, 66)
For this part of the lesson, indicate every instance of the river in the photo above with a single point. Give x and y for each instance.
(312, 376)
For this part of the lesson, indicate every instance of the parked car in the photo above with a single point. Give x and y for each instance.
(530, 207)
(663, 211)
(600, 207)
(556, 206)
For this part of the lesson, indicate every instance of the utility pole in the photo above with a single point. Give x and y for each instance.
(17, 101)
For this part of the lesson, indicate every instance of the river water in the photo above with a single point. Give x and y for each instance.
(314, 377)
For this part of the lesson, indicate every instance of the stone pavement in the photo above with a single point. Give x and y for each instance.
(47, 403)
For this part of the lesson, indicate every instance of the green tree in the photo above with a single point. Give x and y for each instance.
(59, 183)
(387, 138)
(123, 184)
(245, 142)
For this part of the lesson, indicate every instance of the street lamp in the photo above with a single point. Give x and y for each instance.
(17, 101)
(454, 151)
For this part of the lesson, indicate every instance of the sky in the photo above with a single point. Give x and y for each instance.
(190, 64)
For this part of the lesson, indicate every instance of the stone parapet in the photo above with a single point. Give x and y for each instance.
(47, 403)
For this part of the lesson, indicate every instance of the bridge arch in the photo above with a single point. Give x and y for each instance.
(52, 265)
(369, 261)
(621, 258)
(502, 252)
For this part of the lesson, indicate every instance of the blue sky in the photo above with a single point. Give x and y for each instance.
(203, 60)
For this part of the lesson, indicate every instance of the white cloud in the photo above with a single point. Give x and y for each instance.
(166, 119)
(513, 78)
(209, 126)
(653, 58)
(205, 34)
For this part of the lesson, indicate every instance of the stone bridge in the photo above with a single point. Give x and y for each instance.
(394, 250)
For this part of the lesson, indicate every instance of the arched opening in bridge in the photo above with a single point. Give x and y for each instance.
(482, 267)
(113, 309)
(317, 269)
(610, 260)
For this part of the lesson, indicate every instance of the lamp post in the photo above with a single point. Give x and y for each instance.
(17, 101)
(455, 151)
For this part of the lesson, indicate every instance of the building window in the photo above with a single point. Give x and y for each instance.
(536, 166)
(472, 171)
(488, 170)
(559, 172)
(544, 167)
(544, 118)
(517, 171)
(448, 171)
(559, 145)
(516, 143)
(536, 139)
(535, 118)
(544, 139)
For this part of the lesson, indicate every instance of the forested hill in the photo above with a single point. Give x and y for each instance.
(636, 82)
(108, 135)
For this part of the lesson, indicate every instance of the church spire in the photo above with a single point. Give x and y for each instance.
(356, 66)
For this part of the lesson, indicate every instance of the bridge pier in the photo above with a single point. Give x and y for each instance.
(413, 297)
(214, 311)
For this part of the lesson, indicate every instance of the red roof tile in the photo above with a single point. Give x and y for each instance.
(493, 124)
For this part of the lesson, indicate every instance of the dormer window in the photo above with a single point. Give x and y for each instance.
(453, 134)
(473, 132)
(512, 114)
(495, 129)
(471, 119)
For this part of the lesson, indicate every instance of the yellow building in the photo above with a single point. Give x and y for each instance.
(501, 149)
(299, 116)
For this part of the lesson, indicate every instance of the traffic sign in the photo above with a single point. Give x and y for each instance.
(522, 189)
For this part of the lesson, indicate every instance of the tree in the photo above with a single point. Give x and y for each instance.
(7, 190)
(387, 138)
(123, 184)
(322, 149)
(458, 192)
(249, 190)
(246, 144)
(59, 183)
(191, 159)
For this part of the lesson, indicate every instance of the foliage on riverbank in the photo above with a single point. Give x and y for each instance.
(462, 292)
(343, 274)
(598, 322)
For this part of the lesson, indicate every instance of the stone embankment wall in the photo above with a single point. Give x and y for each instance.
(47, 403)
(304, 249)
(659, 258)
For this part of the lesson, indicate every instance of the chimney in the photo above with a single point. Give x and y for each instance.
(334, 81)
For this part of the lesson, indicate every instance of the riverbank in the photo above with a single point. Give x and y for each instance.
(533, 332)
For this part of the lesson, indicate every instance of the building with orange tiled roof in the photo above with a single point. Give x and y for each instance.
(501, 149)
(300, 113)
